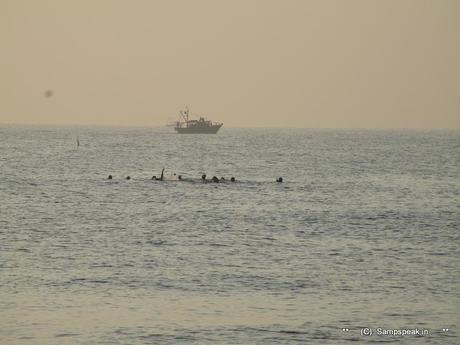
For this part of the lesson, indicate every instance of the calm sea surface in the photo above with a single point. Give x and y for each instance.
(364, 232)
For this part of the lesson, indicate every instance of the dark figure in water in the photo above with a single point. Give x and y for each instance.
(161, 177)
(232, 179)
(222, 178)
(215, 179)
(280, 180)
(203, 177)
(179, 177)
(110, 177)
(128, 177)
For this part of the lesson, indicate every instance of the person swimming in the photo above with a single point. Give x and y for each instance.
(155, 178)
(279, 179)
(110, 177)
(232, 179)
(222, 178)
(203, 177)
(128, 177)
(215, 179)
(171, 177)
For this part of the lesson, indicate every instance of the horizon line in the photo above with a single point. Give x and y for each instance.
(11, 124)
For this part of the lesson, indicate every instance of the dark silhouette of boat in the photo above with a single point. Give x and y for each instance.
(201, 126)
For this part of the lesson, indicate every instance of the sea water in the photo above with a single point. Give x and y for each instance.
(363, 234)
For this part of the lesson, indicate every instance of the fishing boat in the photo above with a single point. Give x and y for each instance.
(185, 125)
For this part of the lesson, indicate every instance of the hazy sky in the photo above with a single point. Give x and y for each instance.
(265, 63)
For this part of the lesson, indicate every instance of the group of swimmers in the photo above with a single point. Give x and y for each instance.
(175, 177)
(215, 179)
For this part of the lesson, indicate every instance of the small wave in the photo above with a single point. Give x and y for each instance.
(218, 245)
(25, 250)
(61, 335)
(98, 281)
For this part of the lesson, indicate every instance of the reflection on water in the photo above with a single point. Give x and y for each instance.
(167, 316)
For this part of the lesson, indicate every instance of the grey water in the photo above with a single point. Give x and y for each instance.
(364, 232)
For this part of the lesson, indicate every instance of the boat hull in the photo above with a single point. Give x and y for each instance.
(198, 130)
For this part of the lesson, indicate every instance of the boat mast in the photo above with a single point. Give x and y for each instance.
(186, 116)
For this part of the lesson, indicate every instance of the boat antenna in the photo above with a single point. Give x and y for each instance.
(184, 114)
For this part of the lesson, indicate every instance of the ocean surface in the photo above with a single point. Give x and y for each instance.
(364, 232)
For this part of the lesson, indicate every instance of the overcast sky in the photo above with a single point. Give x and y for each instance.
(264, 63)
